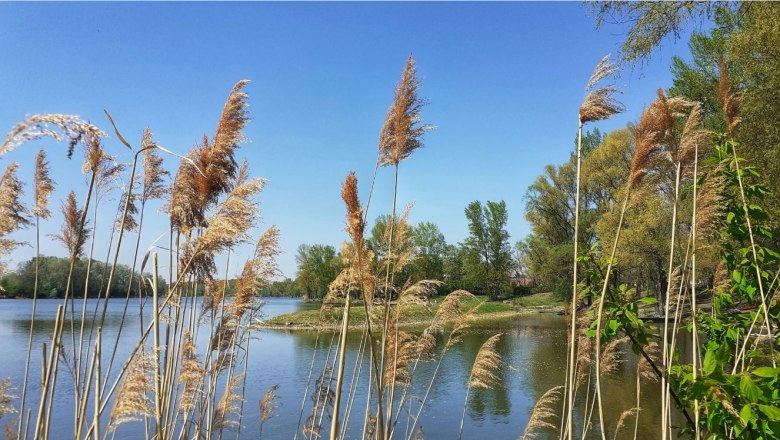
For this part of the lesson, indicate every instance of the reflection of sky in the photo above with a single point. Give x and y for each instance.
(533, 349)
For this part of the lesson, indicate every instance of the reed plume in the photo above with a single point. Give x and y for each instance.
(72, 235)
(693, 136)
(154, 174)
(228, 405)
(43, 186)
(234, 216)
(6, 398)
(600, 103)
(132, 401)
(622, 420)
(13, 214)
(612, 358)
(191, 374)
(728, 97)
(419, 434)
(487, 362)
(644, 367)
(268, 406)
(482, 372)
(403, 129)
(543, 413)
(40, 126)
(211, 167)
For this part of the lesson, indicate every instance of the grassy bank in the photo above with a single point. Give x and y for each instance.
(330, 315)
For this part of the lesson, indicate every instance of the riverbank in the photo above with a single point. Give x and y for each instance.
(416, 315)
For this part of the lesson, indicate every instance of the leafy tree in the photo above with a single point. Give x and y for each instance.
(318, 266)
(429, 246)
(487, 256)
(53, 277)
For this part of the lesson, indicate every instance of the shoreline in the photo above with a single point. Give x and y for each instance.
(292, 325)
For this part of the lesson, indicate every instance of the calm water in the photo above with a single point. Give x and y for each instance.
(533, 350)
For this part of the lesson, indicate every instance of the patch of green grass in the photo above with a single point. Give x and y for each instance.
(544, 299)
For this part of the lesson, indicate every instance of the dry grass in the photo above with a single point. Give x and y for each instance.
(600, 103)
(132, 400)
(543, 413)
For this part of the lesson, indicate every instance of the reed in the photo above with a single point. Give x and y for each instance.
(599, 103)
(482, 373)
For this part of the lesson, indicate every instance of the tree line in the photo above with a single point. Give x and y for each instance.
(741, 42)
(483, 263)
(53, 277)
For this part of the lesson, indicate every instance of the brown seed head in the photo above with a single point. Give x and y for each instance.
(403, 130)
(544, 413)
(487, 362)
(43, 186)
(600, 103)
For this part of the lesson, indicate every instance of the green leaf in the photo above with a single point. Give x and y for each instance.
(771, 412)
(766, 372)
(748, 389)
(746, 413)
(710, 362)
(648, 300)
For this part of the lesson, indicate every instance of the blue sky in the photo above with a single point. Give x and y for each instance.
(504, 81)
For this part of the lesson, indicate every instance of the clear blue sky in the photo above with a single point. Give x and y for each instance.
(504, 81)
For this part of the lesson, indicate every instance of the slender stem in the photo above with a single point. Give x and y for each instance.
(32, 320)
(665, 350)
(571, 364)
(334, 425)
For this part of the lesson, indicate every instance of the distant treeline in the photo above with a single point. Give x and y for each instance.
(53, 276)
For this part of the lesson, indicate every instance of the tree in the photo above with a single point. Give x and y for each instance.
(487, 255)
(318, 266)
(429, 247)
(746, 42)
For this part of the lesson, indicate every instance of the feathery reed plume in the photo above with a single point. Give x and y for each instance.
(653, 126)
(356, 225)
(153, 187)
(13, 214)
(585, 347)
(729, 99)
(72, 235)
(600, 103)
(692, 136)
(722, 278)
(710, 205)
(644, 368)
(132, 400)
(128, 221)
(191, 374)
(486, 363)
(543, 413)
(42, 186)
(6, 398)
(257, 272)
(199, 183)
(40, 126)
(402, 131)
(612, 358)
(402, 349)
(450, 309)
(397, 239)
(222, 165)
(419, 434)
(268, 404)
(228, 405)
(622, 420)
(230, 224)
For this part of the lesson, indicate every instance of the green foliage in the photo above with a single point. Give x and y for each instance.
(318, 266)
(487, 258)
(53, 276)
(737, 392)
